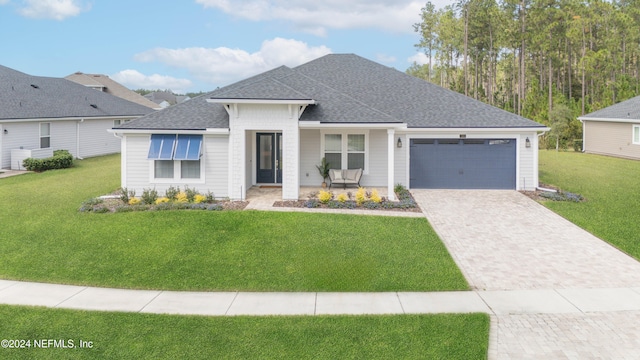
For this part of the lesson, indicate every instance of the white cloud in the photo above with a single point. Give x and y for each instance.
(4, 2)
(136, 80)
(52, 9)
(223, 65)
(419, 58)
(384, 58)
(315, 16)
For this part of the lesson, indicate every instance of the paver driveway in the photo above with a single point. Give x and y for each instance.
(503, 240)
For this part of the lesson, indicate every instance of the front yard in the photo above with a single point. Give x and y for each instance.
(143, 336)
(48, 240)
(610, 186)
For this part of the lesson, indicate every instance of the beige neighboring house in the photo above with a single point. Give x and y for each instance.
(106, 84)
(614, 130)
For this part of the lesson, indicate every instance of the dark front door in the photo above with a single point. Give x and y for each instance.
(269, 165)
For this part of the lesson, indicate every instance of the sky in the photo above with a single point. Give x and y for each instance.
(199, 45)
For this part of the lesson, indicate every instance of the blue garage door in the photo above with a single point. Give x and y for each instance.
(463, 164)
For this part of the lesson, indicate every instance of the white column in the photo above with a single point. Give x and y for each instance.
(391, 168)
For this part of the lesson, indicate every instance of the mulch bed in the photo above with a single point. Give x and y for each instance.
(301, 204)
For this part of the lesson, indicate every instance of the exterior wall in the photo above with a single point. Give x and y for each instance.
(610, 138)
(401, 160)
(95, 140)
(137, 171)
(26, 135)
(311, 155)
(246, 118)
(526, 158)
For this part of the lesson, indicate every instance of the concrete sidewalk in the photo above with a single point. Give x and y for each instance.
(503, 302)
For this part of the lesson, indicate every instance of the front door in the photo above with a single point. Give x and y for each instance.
(269, 164)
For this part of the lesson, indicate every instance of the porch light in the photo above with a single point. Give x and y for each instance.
(527, 143)
(399, 144)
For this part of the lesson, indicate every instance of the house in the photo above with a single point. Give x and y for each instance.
(42, 114)
(614, 130)
(106, 84)
(275, 127)
(166, 98)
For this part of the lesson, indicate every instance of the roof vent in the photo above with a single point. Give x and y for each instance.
(94, 106)
(35, 86)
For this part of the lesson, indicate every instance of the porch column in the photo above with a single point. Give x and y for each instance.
(391, 168)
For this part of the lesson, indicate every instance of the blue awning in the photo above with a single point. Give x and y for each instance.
(188, 147)
(161, 147)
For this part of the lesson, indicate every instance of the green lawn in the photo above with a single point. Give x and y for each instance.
(611, 186)
(46, 239)
(143, 336)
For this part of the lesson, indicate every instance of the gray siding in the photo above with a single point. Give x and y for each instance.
(377, 173)
(95, 140)
(610, 138)
(310, 156)
(138, 169)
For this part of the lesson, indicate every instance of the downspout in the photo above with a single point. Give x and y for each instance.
(78, 139)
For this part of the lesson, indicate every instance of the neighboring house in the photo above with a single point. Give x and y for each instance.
(166, 98)
(42, 114)
(106, 84)
(275, 127)
(614, 130)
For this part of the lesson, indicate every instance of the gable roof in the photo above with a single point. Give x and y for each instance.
(25, 96)
(108, 85)
(626, 111)
(347, 89)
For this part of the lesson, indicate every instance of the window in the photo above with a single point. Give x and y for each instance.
(636, 134)
(117, 123)
(345, 151)
(175, 156)
(333, 150)
(45, 135)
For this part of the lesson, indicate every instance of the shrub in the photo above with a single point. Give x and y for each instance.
(191, 193)
(124, 195)
(311, 203)
(361, 196)
(199, 199)
(134, 201)
(375, 197)
(325, 196)
(399, 188)
(149, 196)
(181, 197)
(172, 192)
(215, 207)
(342, 198)
(210, 197)
(61, 159)
(162, 200)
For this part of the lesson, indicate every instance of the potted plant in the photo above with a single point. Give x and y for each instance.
(323, 168)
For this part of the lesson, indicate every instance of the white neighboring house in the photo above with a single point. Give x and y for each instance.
(42, 114)
(275, 127)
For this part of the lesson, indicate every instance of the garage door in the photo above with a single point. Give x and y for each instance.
(463, 164)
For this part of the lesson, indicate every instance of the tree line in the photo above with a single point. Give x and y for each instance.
(546, 60)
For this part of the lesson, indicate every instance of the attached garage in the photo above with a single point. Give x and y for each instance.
(462, 164)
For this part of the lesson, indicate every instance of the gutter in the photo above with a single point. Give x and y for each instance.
(78, 139)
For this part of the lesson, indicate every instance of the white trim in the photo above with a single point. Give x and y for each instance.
(76, 118)
(633, 134)
(391, 163)
(319, 125)
(225, 101)
(518, 140)
(123, 161)
(470, 131)
(345, 143)
(169, 131)
(626, 120)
